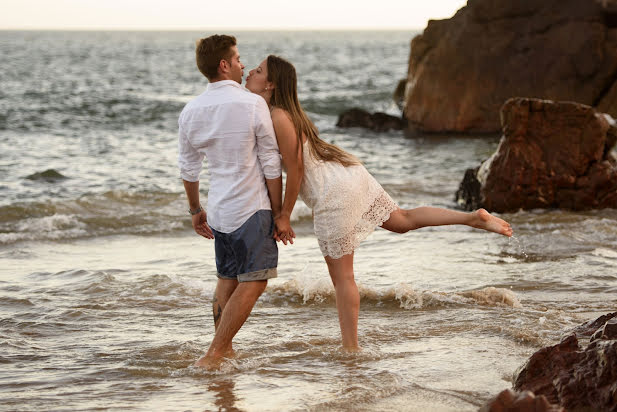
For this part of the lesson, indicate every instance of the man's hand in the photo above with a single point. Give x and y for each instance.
(201, 225)
(283, 231)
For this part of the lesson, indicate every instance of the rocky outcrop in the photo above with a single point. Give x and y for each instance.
(399, 94)
(510, 401)
(575, 378)
(379, 122)
(463, 69)
(551, 155)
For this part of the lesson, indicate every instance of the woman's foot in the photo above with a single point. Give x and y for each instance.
(352, 349)
(484, 220)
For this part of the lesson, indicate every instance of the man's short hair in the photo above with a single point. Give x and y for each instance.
(210, 51)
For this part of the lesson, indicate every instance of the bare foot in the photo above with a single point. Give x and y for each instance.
(213, 361)
(484, 220)
(210, 363)
(352, 349)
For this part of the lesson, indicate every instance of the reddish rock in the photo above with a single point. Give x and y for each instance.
(379, 122)
(399, 94)
(608, 331)
(510, 401)
(462, 70)
(587, 329)
(574, 378)
(551, 155)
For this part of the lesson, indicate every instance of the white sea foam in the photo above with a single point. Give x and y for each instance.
(491, 296)
(320, 290)
(606, 253)
(310, 290)
(50, 223)
(58, 226)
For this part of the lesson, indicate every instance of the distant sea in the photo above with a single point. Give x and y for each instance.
(105, 290)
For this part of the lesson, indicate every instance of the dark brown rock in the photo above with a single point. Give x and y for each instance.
(462, 70)
(551, 155)
(574, 378)
(510, 401)
(608, 331)
(587, 329)
(379, 122)
(399, 94)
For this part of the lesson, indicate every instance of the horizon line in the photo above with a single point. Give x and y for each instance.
(184, 29)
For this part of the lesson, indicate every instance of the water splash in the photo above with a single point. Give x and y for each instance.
(513, 240)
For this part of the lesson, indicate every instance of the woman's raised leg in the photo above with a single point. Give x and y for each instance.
(404, 220)
(347, 299)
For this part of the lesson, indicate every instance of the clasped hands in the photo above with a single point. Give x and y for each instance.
(282, 229)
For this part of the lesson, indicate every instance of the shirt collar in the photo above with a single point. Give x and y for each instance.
(223, 83)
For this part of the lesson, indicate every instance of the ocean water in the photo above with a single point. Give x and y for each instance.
(105, 290)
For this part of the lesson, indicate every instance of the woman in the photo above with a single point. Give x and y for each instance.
(347, 202)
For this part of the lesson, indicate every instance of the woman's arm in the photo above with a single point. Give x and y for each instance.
(291, 153)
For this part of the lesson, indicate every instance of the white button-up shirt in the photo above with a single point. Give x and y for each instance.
(232, 128)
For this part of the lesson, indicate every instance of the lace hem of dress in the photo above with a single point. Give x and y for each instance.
(377, 213)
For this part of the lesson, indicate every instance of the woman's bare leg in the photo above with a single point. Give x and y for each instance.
(404, 220)
(347, 298)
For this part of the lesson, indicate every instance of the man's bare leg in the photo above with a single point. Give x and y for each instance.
(236, 311)
(222, 293)
(402, 221)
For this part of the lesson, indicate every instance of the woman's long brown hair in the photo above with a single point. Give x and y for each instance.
(285, 96)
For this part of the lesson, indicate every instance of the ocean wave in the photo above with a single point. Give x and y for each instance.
(78, 111)
(14, 302)
(318, 291)
(110, 213)
(106, 291)
(605, 253)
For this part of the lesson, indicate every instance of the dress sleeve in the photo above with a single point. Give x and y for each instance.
(267, 148)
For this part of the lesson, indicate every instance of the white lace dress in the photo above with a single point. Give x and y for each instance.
(347, 203)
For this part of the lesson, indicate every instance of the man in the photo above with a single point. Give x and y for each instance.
(232, 128)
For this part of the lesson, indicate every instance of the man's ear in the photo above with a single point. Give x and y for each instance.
(224, 66)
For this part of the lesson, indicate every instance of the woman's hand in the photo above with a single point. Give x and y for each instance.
(200, 225)
(283, 231)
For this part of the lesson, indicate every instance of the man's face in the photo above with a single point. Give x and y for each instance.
(236, 70)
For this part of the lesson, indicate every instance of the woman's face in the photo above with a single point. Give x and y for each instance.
(257, 80)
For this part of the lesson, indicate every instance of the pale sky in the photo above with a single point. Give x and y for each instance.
(224, 14)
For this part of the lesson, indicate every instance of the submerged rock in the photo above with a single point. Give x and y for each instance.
(575, 378)
(510, 401)
(551, 155)
(49, 175)
(461, 70)
(379, 122)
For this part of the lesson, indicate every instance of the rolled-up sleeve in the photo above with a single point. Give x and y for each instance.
(267, 148)
(190, 160)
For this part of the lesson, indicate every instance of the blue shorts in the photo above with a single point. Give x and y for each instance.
(248, 253)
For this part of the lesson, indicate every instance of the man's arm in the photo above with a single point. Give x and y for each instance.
(190, 163)
(199, 219)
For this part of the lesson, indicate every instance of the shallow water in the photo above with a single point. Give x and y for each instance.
(105, 292)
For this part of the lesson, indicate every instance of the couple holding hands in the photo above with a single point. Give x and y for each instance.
(247, 136)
